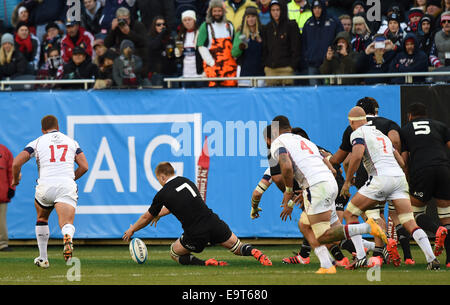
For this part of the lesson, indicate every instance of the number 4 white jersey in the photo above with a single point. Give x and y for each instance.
(378, 156)
(55, 155)
(308, 164)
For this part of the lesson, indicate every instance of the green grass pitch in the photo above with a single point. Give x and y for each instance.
(112, 265)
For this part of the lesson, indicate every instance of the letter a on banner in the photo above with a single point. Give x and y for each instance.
(203, 169)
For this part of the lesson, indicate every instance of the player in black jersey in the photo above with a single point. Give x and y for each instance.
(392, 131)
(201, 225)
(426, 145)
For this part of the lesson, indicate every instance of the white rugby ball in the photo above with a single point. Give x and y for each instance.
(138, 251)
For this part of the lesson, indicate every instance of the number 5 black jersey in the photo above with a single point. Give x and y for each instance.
(425, 140)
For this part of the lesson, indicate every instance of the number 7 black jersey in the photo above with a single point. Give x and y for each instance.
(181, 196)
(425, 140)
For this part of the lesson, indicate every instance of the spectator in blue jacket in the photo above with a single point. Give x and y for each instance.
(410, 59)
(319, 32)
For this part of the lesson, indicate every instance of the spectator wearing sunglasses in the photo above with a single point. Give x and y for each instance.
(440, 51)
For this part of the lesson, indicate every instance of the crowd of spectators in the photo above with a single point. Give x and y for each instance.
(137, 43)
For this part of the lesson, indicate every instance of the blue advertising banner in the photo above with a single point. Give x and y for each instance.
(125, 134)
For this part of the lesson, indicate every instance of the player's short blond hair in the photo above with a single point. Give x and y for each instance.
(49, 122)
(164, 168)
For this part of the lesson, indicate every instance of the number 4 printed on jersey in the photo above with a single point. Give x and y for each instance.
(63, 155)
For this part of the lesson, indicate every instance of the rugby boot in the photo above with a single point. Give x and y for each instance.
(376, 230)
(393, 252)
(441, 233)
(68, 247)
(297, 259)
(261, 257)
(40, 262)
(331, 270)
(214, 262)
(357, 263)
(434, 265)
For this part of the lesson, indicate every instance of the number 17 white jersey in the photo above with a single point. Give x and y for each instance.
(378, 156)
(55, 155)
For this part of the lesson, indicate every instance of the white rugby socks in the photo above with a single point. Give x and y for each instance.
(323, 256)
(68, 229)
(42, 235)
(422, 240)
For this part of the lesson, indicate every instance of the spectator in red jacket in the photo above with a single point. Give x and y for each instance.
(6, 193)
(76, 36)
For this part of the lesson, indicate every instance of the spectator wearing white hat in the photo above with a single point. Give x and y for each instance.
(186, 48)
(361, 34)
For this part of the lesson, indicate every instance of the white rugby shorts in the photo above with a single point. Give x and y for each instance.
(320, 198)
(382, 188)
(47, 193)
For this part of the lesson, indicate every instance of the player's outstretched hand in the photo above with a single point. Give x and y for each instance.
(255, 212)
(345, 190)
(287, 211)
(127, 235)
(154, 221)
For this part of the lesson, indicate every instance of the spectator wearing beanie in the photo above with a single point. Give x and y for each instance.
(441, 47)
(127, 67)
(434, 8)
(394, 32)
(12, 62)
(247, 46)
(410, 59)
(384, 19)
(29, 46)
(414, 16)
(361, 34)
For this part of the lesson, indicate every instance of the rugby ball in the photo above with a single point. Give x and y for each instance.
(138, 251)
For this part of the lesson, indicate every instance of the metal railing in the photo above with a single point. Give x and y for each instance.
(253, 80)
(86, 82)
(333, 78)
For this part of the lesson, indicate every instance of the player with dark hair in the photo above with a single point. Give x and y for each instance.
(56, 188)
(301, 160)
(426, 144)
(201, 225)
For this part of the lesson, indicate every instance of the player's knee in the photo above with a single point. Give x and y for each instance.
(352, 210)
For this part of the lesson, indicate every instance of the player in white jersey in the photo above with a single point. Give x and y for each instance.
(56, 188)
(386, 182)
(301, 160)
